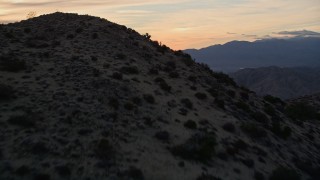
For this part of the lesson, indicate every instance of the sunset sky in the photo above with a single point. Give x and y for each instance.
(183, 24)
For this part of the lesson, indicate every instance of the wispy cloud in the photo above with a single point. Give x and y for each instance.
(301, 33)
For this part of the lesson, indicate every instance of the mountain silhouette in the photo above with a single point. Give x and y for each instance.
(236, 55)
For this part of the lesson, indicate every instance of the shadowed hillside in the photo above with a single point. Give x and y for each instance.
(84, 98)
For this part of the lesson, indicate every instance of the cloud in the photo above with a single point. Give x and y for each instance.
(301, 33)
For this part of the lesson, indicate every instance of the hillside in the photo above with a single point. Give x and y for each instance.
(285, 83)
(85, 98)
(235, 55)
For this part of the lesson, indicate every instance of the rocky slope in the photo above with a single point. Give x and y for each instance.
(84, 98)
(285, 83)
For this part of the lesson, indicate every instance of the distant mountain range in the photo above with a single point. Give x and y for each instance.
(235, 55)
(281, 82)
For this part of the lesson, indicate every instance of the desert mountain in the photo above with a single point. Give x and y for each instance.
(285, 83)
(85, 98)
(235, 55)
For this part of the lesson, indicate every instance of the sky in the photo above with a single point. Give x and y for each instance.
(182, 24)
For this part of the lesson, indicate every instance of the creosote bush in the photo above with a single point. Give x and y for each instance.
(11, 64)
(24, 120)
(129, 70)
(253, 130)
(149, 98)
(104, 149)
(200, 95)
(187, 103)
(6, 92)
(229, 127)
(200, 147)
(190, 124)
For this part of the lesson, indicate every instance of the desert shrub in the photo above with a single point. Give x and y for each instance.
(231, 93)
(187, 103)
(190, 124)
(153, 71)
(282, 173)
(132, 173)
(117, 75)
(240, 145)
(183, 111)
(162, 135)
(129, 106)
(273, 100)
(24, 120)
(248, 162)
(27, 30)
(192, 78)
(243, 106)
(70, 36)
(200, 95)
(63, 170)
(301, 111)
(213, 92)
(260, 117)
(253, 130)
(229, 127)
(6, 92)
(170, 66)
(224, 78)
(174, 74)
(269, 110)
(282, 132)
(219, 103)
(164, 86)
(104, 149)
(23, 170)
(207, 177)
(120, 56)
(41, 176)
(200, 147)
(137, 100)
(113, 102)
(94, 58)
(79, 30)
(149, 98)
(244, 95)
(95, 36)
(258, 176)
(11, 64)
(129, 70)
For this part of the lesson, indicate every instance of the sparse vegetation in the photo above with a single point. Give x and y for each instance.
(273, 100)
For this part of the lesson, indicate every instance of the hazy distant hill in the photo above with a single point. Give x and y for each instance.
(273, 52)
(281, 82)
(87, 99)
